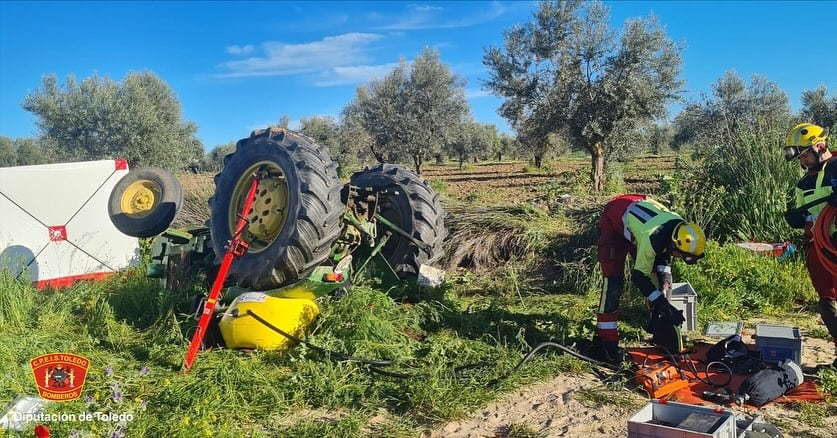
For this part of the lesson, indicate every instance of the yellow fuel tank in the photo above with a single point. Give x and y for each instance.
(241, 330)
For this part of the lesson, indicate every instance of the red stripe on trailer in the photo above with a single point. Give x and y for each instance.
(57, 283)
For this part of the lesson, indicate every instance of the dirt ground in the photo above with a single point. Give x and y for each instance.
(555, 408)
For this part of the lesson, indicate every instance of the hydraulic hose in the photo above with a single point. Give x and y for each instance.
(375, 364)
(823, 243)
(346, 357)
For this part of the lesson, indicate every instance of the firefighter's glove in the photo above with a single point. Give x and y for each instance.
(669, 313)
(832, 198)
(795, 217)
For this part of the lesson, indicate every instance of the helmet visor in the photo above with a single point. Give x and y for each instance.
(792, 152)
(689, 259)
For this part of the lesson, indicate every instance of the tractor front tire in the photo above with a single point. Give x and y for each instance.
(409, 203)
(145, 202)
(296, 215)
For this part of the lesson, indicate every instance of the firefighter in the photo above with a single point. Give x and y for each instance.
(807, 143)
(653, 235)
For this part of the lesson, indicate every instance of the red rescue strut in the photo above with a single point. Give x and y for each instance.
(235, 248)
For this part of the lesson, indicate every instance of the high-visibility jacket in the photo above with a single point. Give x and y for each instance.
(649, 225)
(815, 185)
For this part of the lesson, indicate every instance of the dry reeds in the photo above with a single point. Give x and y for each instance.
(485, 237)
(197, 189)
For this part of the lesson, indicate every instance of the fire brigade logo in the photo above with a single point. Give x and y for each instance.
(59, 376)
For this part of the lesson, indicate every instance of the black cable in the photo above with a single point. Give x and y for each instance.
(563, 348)
(691, 367)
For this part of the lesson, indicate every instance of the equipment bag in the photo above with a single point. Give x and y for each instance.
(770, 384)
(734, 353)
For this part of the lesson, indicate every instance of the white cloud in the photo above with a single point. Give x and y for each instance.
(426, 8)
(432, 17)
(355, 74)
(239, 50)
(475, 94)
(281, 59)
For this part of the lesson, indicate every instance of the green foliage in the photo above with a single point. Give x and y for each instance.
(624, 79)
(412, 112)
(472, 142)
(688, 193)
(22, 152)
(324, 130)
(8, 156)
(16, 301)
(734, 105)
(734, 283)
(138, 119)
(214, 160)
(740, 189)
(439, 186)
(820, 108)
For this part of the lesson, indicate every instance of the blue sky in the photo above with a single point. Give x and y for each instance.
(237, 66)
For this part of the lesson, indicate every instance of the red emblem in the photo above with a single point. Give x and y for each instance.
(58, 233)
(59, 376)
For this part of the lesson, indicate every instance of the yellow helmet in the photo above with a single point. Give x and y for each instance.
(802, 137)
(689, 240)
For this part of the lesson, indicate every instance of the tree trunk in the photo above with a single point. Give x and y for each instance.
(461, 161)
(499, 156)
(378, 157)
(597, 173)
(418, 162)
(538, 160)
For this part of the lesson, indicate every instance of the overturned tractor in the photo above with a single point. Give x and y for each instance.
(304, 234)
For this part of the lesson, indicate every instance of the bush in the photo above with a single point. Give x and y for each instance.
(733, 283)
(740, 190)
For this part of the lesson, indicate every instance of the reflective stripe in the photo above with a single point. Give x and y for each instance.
(640, 213)
(693, 238)
(607, 325)
(654, 295)
(663, 268)
(796, 136)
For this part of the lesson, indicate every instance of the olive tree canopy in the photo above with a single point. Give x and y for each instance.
(567, 71)
(138, 119)
(412, 112)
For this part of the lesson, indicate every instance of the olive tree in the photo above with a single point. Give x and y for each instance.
(413, 111)
(30, 152)
(567, 71)
(473, 142)
(356, 145)
(8, 156)
(819, 108)
(733, 106)
(214, 159)
(323, 130)
(138, 119)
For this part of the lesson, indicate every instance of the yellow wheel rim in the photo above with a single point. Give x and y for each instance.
(140, 198)
(269, 212)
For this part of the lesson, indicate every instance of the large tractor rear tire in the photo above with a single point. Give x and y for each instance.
(408, 202)
(296, 215)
